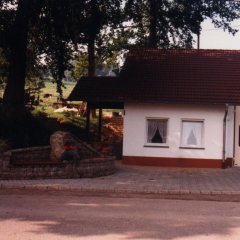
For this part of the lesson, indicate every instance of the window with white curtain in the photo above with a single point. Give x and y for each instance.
(157, 131)
(192, 133)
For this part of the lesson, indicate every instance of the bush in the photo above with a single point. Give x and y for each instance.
(4, 146)
(21, 129)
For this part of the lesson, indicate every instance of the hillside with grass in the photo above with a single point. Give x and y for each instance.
(72, 120)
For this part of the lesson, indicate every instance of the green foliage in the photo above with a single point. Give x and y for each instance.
(98, 15)
(20, 128)
(53, 37)
(46, 24)
(4, 146)
(4, 64)
(166, 23)
(56, 28)
(107, 56)
(80, 65)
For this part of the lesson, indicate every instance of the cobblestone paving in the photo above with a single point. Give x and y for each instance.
(135, 179)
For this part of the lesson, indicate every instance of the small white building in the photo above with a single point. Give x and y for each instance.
(181, 107)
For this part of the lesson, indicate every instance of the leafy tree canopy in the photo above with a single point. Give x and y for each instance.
(53, 30)
(172, 23)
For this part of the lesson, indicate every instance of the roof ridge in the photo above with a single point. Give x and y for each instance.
(181, 49)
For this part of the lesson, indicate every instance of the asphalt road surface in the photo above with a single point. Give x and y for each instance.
(37, 215)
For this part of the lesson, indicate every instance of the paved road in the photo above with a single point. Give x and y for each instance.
(38, 215)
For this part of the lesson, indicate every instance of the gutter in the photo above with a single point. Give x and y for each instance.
(224, 134)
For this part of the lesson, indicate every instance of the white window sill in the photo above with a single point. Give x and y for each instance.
(156, 146)
(192, 147)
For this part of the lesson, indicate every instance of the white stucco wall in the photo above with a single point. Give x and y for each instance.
(135, 130)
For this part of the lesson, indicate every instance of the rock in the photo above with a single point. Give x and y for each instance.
(66, 147)
(57, 142)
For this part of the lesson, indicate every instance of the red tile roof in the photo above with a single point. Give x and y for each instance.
(191, 76)
(175, 76)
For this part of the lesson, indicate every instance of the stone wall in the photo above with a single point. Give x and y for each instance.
(34, 163)
(29, 155)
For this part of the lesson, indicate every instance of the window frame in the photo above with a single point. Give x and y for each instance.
(160, 145)
(191, 120)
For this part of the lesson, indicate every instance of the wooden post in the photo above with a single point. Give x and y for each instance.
(100, 125)
(88, 119)
(198, 40)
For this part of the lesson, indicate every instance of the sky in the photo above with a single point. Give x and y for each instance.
(212, 38)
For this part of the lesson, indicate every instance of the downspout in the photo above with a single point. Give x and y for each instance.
(234, 135)
(224, 135)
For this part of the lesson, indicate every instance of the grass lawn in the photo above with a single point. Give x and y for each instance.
(51, 89)
(47, 108)
(68, 119)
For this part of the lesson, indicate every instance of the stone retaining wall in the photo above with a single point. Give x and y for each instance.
(33, 154)
(34, 163)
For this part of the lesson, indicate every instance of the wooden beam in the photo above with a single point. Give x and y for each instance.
(100, 125)
(88, 119)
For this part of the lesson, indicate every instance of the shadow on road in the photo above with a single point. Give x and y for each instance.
(66, 214)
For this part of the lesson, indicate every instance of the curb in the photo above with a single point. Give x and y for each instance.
(228, 196)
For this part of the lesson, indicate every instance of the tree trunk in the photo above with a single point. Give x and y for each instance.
(91, 56)
(14, 91)
(154, 6)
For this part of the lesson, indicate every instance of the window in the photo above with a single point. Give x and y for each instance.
(157, 131)
(192, 133)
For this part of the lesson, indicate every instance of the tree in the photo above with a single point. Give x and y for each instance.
(53, 29)
(61, 21)
(44, 28)
(165, 23)
(98, 15)
(104, 59)
(18, 48)
(33, 61)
